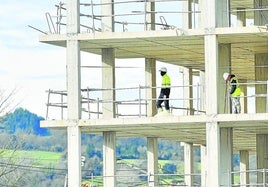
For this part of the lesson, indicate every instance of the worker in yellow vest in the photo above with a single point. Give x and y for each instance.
(234, 91)
(164, 92)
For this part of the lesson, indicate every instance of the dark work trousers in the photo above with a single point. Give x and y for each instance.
(163, 97)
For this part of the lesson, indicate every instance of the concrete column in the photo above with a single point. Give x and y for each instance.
(201, 20)
(188, 91)
(260, 17)
(150, 63)
(188, 164)
(202, 92)
(187, 17)
(217, 139)
(262, 156)
(150, 16)
(261, 74)
(108, 82)
(107, 20)
(223, 18)
(243, 100)
(241, 17)
(211, 66)
(225, 66)
(203, 151)
(74, 93)
(244, 166)
(109, 159)
(211, 69)
(150, 81)
(152, 162)
(213, 154)
(226, 156)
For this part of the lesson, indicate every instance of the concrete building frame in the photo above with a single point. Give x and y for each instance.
(211, 48)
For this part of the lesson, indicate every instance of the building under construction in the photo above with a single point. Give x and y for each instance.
(204, 39)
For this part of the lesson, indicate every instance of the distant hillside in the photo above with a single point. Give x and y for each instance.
(23, 120)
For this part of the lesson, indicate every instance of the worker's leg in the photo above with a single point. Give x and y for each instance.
(159, 102)
(167, 92)
(236, 107)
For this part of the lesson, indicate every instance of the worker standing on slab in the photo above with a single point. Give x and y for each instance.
(234, 91)
(164, 92)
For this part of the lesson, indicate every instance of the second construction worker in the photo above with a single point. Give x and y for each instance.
(234, 91)
(164, 92)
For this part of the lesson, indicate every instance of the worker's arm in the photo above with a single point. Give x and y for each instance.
(233, 86)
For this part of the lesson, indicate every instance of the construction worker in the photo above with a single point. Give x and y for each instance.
(234, 91)
(164, 92)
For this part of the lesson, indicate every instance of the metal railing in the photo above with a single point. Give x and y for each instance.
(132, 102)
(255, 178)
(134, 106)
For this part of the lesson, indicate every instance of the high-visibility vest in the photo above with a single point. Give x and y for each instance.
(237, 91)
(165, 81)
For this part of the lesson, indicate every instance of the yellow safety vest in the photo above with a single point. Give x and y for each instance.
(237, 91)
(165, 81)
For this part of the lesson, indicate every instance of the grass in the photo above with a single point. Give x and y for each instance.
(43, 158)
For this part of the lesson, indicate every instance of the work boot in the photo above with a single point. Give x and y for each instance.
(159, 110)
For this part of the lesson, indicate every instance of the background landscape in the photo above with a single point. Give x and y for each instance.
(34, 156)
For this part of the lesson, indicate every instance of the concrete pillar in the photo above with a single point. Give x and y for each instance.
(225, 66)
(108, 82)
(108, 107)
(223, 18)
(152, 162)
(241, 17)
(188, 91)
(109, 159)
(107, 21)
(262, 156)
(211, 69)
(201, 20)
(213, 154)
(150, 63)
(188, 164)
(187, 16)
(216, 140)
(243, 100)
(226, 156)
(203, 151)
(219, 155)
(150, 16)
(260, 17)
(261, 74)
(202, 92)
(150, 81)
(74, 93)
(244, 166)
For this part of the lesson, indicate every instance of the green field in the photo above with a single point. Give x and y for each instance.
(43, 158)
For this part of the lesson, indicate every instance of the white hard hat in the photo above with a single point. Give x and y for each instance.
(163, 69)
(225, 76)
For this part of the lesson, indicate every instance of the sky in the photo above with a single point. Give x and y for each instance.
(26, 64)
(33, 67)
